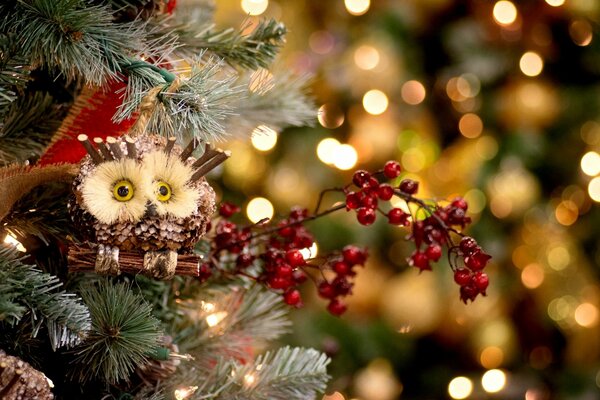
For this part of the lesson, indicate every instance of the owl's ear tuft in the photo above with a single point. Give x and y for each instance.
(98, 191)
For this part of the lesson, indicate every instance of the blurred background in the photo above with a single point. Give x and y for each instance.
(495, 100)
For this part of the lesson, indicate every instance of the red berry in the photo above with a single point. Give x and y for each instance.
(298, 213)
(360, 177)
(467, 245)
(353, 200)
(398, 217)
(295, 258)
(372, 184)
(461, 203)
(226, 210)
(391, 169)
(481, 281)
(369, 201)
(341, 286)
(419, 260)
(284, 271)
(477, 260)
(468, 292)
(434, 252)
(299, 276)
(244, 260)
(341, 268)
(409, 186)
(292, 297)
(279, 283)
(326, 290)
(385, 191)
(365, 216)
(462, 276)
(336, 307)
(354, 255)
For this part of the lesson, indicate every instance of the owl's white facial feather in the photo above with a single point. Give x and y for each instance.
(98, 191)
(170, 169)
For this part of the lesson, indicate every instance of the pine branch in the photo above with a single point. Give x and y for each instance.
(123, 333)
(28, 127)
(231, 320)
(254, 50)
(195, 105)
(14, 71)
(277, 102)
(68, 38)
(42, 213)
(25, 291)
(287, 374)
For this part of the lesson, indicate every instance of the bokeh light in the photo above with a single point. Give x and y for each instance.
(590, 163)
(326, 150)
(375, 102)
(493, 381)
(345, 157)
(566, 212)
(460, 387)
(531, 63)
(259, 208)
(555, 3)
(586, 315)
(532, 276)
(255, 7)
(413, 92)
(491, 357)
(594, 189)
(357, 7)
(264, 138)
(366, 57)
(505, 12)
(470, 125)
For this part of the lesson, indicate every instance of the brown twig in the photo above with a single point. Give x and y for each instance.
(83, 258)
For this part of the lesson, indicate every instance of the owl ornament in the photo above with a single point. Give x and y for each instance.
(141, 205)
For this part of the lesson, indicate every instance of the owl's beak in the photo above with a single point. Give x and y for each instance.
(150, 210)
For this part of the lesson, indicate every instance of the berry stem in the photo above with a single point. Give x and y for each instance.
(322, 195)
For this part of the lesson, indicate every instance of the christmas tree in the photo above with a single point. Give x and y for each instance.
(117, 282)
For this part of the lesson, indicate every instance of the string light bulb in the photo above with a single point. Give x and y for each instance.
(12, 240)
(184, 393)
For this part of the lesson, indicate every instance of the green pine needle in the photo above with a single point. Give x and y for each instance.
(123, 333)
(27, 292)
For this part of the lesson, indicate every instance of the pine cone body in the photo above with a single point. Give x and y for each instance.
(20, 381)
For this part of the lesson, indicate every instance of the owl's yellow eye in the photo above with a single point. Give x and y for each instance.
(123, 190)
(163, 191)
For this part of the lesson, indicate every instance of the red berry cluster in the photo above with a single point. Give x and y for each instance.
(471, 279)
(365, 200)
(270, 252)
(341, 285)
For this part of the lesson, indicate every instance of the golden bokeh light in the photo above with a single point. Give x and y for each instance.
(476, 200)
(566, 212)
(375, 102)
(184, 393)
(255, 7)
(326, 150)
(558, 258)
(590, 132)
(586, 315)
(330, 116)
(594, 189)
(460, 387)
(491, 357)
(486, 147)
(413, 160)
(357, 7)
(366, 57)
(581, 32)
(334, 396)
(12, 240)
(532, 276)
(555, 3)
(531, 63)
(264, 138)
(413, 92)
(493, 380)
(345, 157)
(259, 208)
(215, 318)
(470, 125)
(590, 163)
(505, 12)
